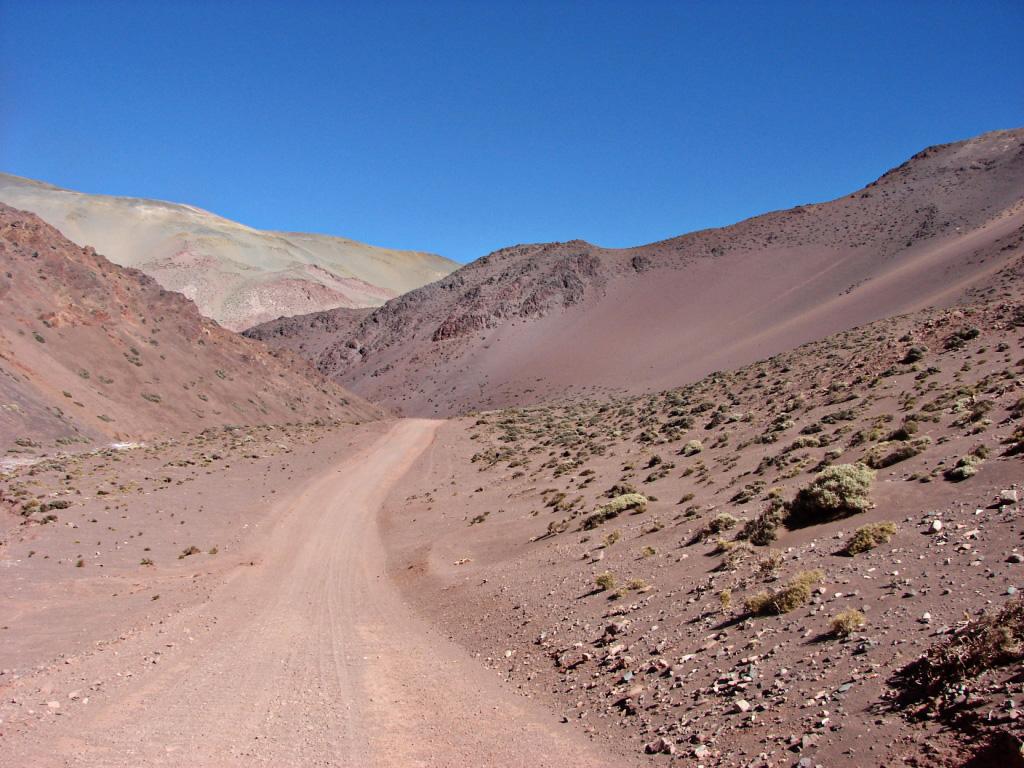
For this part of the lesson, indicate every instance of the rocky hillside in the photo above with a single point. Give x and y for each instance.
(814, 559)
(93, 351)
(236, 275)
(531, 322)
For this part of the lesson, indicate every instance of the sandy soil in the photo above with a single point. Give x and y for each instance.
(302, 654)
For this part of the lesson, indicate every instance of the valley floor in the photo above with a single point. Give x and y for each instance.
(287, 646)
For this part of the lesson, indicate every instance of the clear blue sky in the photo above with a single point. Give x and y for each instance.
(463, 127)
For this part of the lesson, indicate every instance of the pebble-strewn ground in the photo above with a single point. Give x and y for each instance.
(636, 625)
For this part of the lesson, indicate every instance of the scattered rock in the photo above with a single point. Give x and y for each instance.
(660, 746)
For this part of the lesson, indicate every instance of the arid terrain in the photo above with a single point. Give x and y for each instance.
(237, 275)
(91, 351)
(532, 322)
(746, 497)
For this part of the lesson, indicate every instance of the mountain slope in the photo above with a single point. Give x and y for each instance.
(536, 321)
(237, 275)
(91, 350)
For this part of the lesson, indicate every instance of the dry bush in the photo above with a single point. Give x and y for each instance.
(768, 566)
(615, 507)
(845, 623)
(605, 581)
(892, 452)
(965, 467)
(869, 536)
(994, 640)
(761, 531)
(796, 593)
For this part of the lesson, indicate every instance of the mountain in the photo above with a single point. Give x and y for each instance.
(533, 322)
(237, 275)
(93, 351)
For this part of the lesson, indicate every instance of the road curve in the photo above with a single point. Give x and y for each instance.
(311, 658)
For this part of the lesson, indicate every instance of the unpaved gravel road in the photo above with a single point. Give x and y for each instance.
(307, 657)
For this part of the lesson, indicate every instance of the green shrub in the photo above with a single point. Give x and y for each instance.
(867, 537)
(838, 491)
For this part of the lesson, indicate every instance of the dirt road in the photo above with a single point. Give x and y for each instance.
(306, 657)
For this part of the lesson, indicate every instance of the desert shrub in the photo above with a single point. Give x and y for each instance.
(956, 340)
(994, 640)
(847, 622)
(769, 565)
(193, 550)
(892, 452)
(761, 531)
(838, 491)
(620, 489)
(869, 536)
(723, 521)
(905, 431)
(1015, 442)
(605, 581)
(796, 593)
(914, 354)
(692, 448)
(612, 537)
(736, 553)
(747, 492)
(802, 443)
(965, 467)
(629, 501)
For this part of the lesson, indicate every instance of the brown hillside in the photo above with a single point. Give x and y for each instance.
(531, 322)
(93, 351)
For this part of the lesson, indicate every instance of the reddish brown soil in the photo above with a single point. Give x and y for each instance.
(469, 538)
(533, 322)
(90, 351)
(284, 645)
(305, 592)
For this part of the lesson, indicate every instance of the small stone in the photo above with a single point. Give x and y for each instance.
(936, 526)
(1008, 496)
(926, 618)
(53, 704)
(741, 706)
(1011, 590)
(1015, 557)
(701, 750)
